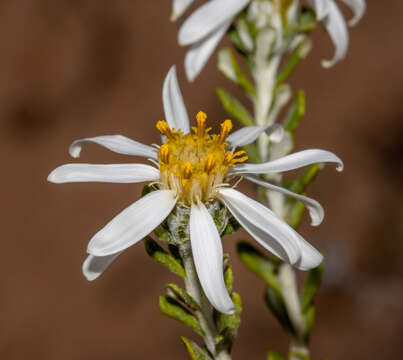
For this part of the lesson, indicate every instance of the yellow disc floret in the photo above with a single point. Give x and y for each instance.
(194, 165)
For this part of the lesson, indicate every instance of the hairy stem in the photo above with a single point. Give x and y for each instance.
(205, 314)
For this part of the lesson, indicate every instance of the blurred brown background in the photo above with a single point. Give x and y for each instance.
(76, 68)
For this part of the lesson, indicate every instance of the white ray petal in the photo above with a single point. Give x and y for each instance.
(207, 18)
(176, 114)
(321, 8)
(337, 29)
(94, 266)
(208, 258)
(263, 225)
(358, 7)
(198, 55)
(115, 173)
(117, 143)
(289, 162)
(310, 257)
(179, 7)
(133, 223)
(315, 209)
(248, 134)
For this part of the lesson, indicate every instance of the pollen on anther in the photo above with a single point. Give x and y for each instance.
(163, 127)
(164, 153)
(226, 127)
(201, 123)
(209, 163)
(187, 170)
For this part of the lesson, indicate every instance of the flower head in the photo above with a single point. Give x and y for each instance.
(194, 170)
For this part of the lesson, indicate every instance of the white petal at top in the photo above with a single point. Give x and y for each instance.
(198, 55)
(208, 18)
(117, 143)
(315, 209)
(321, 8)
(133, 223)
(336, 27)
(176, 114)
(263, 225)
(114, 173)
(179, 7)
(289, 162)
(358, 7)
(208, 258)
(94, 266)
(248, 134)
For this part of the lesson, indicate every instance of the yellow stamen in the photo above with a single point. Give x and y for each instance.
(231, 159)
(187, 170)
(226, 127)
(201, 123)
(164, 153)
(163, 127)
(209, 164)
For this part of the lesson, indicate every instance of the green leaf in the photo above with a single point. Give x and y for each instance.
(178, 293)
(311, 287)
(194, 350)
(300, 184)
(253, 153)
(309, 321)
(228, 65)
(162, 257)
(233, 107)
(274, 355)
(229, 278)
(276, 304)
(306, 20)
(171, 308)
(295, 113)
(299, 54)
(228, 324)
(258, 264)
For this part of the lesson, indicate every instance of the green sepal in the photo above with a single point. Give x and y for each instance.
(259, 264)
(227, 325)
(233, 107)
(229, 278)
(147, 189)
(273, 355)
(252, 152)
(163, 258)
(309, 322)
(296, 112)
(232, 227)
(311, 287)
(180, 294)
(306, 20)
(276, 304)
(173, 309)
(194, 350)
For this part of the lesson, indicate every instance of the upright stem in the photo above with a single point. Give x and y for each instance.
(205, 314)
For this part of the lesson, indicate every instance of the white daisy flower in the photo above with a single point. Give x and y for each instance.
(193, 169)
(207, 25)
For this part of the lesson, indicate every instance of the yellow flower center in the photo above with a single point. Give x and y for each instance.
(194, 165)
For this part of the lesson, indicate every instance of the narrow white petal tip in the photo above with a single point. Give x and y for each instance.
(340, 166)
(327, 64)
(229, 311)
(276, 133)
(51, 177)
(309, 260)
(75, 150)
(94, 266)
